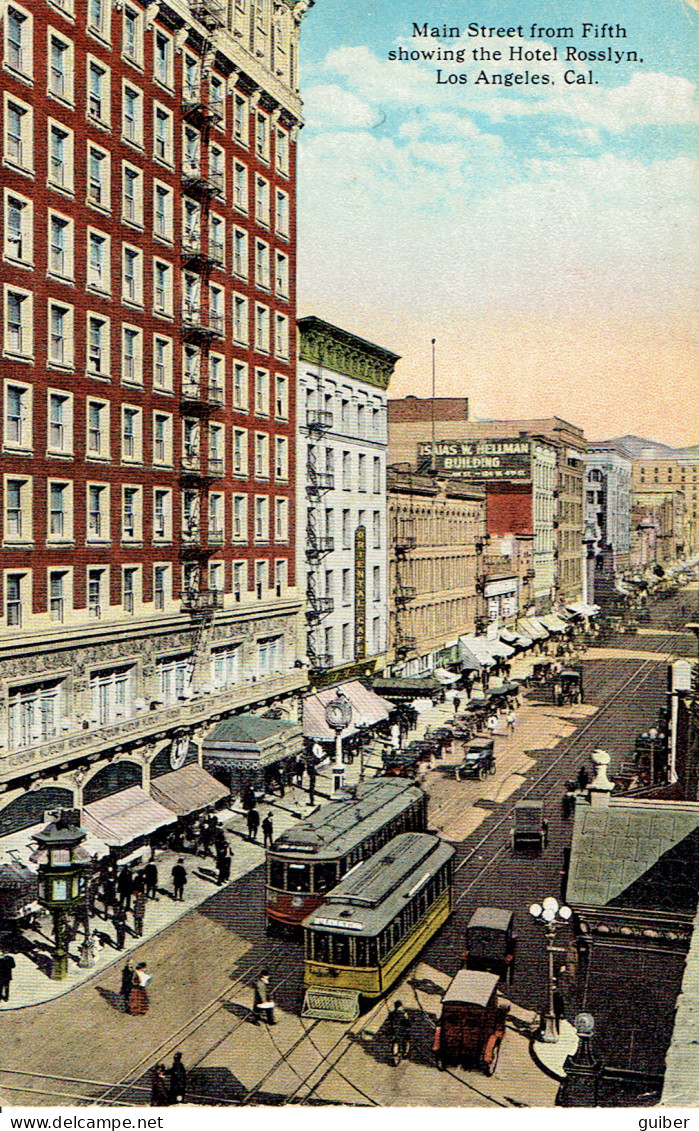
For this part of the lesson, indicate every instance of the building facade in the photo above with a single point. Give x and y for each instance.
(342, 547)
(673, 476)
(148, 268)
(608, 503)
(410, 433)
(436, 567)
(658, 526)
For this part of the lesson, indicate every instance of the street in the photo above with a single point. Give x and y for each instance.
(203, 965)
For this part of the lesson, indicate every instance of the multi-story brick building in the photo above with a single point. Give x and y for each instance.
(679, 476)
(148, 338)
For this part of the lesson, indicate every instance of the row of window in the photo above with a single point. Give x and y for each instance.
(60, 603)
(355, 473)
(136, 525)
(62, 80)
(348, 525)
(201, 168)
(270, 266)
(270, 329)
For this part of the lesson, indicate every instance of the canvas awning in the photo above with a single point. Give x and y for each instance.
(250, 741)
(498, 648)
(368, 709)
(475, 648)
(126, 816)
(532, 627)
(446, 677)
(553, 623)
(188, 790)
(581, 609)
(405, 687)
(517, 639)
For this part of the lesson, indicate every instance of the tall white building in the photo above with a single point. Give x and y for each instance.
(342, 535)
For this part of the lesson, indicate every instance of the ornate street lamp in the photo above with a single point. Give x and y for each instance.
(550, 913)
(62, 878)
(338, 716)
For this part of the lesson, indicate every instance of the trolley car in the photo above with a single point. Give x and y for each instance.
(311, 857)
(374, 924)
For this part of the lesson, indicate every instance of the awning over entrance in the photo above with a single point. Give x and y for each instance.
(250, 742)
(446, 677)
(126, 816)
(474, 648)
(498, 648)
(406, 687)
(516, 639)
(368, 709)
(188, 790)
(532, 627)
(552, 623)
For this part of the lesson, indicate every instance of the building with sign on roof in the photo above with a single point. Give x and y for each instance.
(342, 543)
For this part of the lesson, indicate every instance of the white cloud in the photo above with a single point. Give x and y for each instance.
(330, 106)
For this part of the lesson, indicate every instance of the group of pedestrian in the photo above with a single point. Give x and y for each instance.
(163, 1093)
(123, 891)
(134, 982)
(7, 966)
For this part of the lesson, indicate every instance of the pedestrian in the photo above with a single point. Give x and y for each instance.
(300, 768)
(7, 965)
(127, 983)
(545, 831)
(151, 878)
(159, 1094)
(138, 998)
(109, 896)
(490, 724)
(511, 720)
(207, 840)
(248, 799)
(119, 920)
(457, 704)
(583, 778)
(263, 1009)
(311, 785)
(268, 830)
(178, 1080)
(223, 865)
(125, 888)
(559, 1010)
(253, 823)
(139, 912)
(179, 879)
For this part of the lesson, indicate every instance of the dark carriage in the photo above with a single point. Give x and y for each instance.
(491, 942)
(472, 1022)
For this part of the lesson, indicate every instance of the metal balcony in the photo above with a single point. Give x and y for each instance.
(319, 481)
(317, 545)
(198, 325)
(216, 536)
(319, 420)
(320, 661)
(402, 542)
(202, 600)
(406, 644)
(318, 607)
(191, 545)
(200, 182)
(197, 253)
(404, 594)
(197, 110)
(216, 470)
(200, 394)
(210, 13)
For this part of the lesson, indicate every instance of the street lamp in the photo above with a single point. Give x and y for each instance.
(338, 716)
(62, 879)
(552, 915)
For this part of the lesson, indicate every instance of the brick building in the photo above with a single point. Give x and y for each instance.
(148, 338)
(672, 476)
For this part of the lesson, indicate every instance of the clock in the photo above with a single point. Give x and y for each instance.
(178, 753)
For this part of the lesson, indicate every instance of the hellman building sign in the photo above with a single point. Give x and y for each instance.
(477, 459)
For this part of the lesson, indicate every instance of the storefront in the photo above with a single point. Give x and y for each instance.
(251, 750)
(188, 790)
(125, 821)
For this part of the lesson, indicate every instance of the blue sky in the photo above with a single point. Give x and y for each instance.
(545, 235)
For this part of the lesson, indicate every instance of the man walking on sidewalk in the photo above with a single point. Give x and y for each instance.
(268, 830)
(253, 823)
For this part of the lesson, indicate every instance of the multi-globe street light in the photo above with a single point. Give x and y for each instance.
(551, 915)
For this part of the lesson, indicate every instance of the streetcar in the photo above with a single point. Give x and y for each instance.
(307, 860)
(374, 924)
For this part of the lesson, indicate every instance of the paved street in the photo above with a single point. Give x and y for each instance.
(204, 963)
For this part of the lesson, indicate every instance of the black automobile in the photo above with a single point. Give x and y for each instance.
(479, 760)
(491, 942)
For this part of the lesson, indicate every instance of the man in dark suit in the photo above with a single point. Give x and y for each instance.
(179, 879)
(7, 965)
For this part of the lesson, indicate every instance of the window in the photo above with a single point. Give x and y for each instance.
(131, 433)
(60, 164)
(162, 135)
(131, 514)
(98, 354)
(58, 590)
(217, 371)
(377, 475)
(377, 583)
(281, 335)
(216, 521)
(240, 319)
(217, 170)
(60, 344)
(226, 665)
(162, 211)
(174, 678)
(162, 288)
(262, 275)
(132, 115)
(191, 155)
(98, 261)
(346, 587)
(18, 41)
(346, 471)
(60, 422)
(132, 195)
(163, 58)
(240, 119)
(60, 512)
(217, 99)
(98, 96)
(361, 420)
(132, 36)
(131, 355)
(216, 309)
(191, 79)
(161, 585)
(262, 136)
(97, 430)
(361, 472)
(19, 325)
(162, 514)
(240, 385)
(18, 510)
(60, 68)
(281, 520)
(282, 151)
(162, 438)
(190, 441)
(346, 532)
(34, 711)
(190, 514)
(281, 274)
(128, 596)
(240, 452)
(261, 200)
(97, 16)
(377, 530)
(261, 392)
(112, 695)
(281, 222)
(346, 643)
(98, 190)
(279, 577)
(18, 229)
(217, 240)
(261, 328)
(132, 275)
(19, 134)
(162, 363)
(261, 578)
(216, 449)
(240, 186)
(60, 246)
(239, 580)
(97, 512)
(261, 456)
(240, 253)
(281, 459)
(240, 518)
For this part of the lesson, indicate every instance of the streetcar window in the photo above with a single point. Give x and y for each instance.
(371, 952)
(276, 874)
(360, 952)
(298, 877)
(341, 956)
(325, 877)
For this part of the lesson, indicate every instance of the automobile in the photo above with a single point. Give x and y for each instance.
(479, 760)
(530, 827)
(441, 735)
(491, 942)
(471, 1025)
(400, 763)
(568, 686)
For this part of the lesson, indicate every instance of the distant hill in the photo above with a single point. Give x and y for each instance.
(634, 446)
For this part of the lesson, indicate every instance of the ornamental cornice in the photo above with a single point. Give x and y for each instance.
(343, 353)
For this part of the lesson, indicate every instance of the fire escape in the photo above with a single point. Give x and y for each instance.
(318, 422)
(404, 540)
(202, 323)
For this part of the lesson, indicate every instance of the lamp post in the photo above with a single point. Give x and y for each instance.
(338, 716)
(62, 879)
(552, 915)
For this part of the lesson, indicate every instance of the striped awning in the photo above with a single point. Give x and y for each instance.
(368, 709)
(123, 817)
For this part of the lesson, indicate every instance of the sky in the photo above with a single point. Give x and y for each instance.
(544, 233)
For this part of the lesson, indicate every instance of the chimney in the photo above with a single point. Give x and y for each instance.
(600, 787)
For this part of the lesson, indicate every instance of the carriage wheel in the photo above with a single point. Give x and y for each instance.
(481, 773)
(493, 769)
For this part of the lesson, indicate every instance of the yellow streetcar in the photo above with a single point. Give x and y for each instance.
(374, 924)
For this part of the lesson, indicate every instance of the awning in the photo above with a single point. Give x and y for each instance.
(499, 649)
(22, 847)
(581, 609)
(446, 677)
(517, 639)
(122, 817)
(405, 687)
(552, 623)
(533, 627)
(469, 663)
(475, 647)
(250, 741)
(368, 708)
(188, 790)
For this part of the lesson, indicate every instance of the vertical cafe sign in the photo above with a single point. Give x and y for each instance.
(360, 593)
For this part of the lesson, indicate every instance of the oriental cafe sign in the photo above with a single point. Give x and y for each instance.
(477, 459)
(360, 593)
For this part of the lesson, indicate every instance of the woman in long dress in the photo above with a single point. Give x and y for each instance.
(138, 998)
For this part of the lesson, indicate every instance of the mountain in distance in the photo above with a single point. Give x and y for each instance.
(636, 447)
